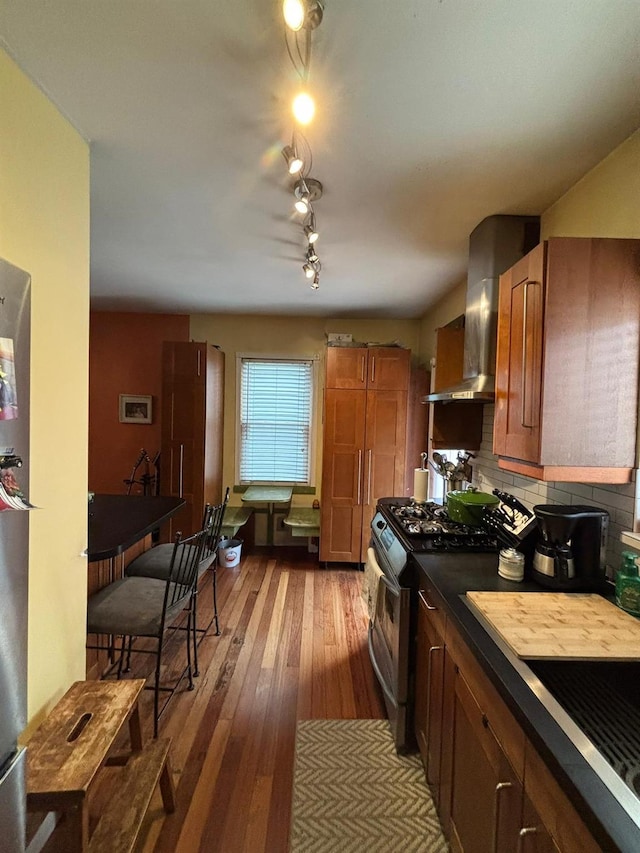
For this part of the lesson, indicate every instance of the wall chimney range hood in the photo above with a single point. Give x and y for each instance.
(494, 246)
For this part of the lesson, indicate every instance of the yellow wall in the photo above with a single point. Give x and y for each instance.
(44, 229)
(605, 203)
(296, 336)
(450, 306)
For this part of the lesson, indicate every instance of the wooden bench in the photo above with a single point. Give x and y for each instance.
(234, 518)
(66, 753)
(304, 521)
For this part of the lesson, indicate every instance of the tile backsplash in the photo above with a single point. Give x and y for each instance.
(621, 502)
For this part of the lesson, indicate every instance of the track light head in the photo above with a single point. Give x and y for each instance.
(302, 13)
(304, 108)
(312, 258)
(306, 190)
(294, 163)
(308, 270)
(315, 284)
(310, 228)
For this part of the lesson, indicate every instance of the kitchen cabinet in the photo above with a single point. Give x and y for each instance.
(368, 368)
(364, 443)
(191, 429)
(417, 424)
(429, 689)
(567, 361)
(455, 425)
(486, 792)
(502, 795)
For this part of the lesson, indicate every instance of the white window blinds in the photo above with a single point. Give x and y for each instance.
(275, 420)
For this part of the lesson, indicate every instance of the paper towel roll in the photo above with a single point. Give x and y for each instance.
(420, 484)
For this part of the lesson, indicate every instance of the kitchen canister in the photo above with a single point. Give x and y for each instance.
(511, 564)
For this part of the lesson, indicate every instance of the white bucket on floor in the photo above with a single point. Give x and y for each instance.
(229, 552)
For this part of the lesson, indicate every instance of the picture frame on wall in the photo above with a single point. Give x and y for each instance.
(136, 409)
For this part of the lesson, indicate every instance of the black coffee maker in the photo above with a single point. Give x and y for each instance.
(570, 554)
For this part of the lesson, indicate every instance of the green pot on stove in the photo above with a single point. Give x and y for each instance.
(468, 506)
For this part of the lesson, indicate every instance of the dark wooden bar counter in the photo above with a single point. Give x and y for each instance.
(116, 522)
(119, 530)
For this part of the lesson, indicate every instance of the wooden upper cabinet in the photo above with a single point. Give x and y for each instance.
(388, 369)
(456, 425)
(519, 362)
(567, 361)
(346, 367)
(376, 368)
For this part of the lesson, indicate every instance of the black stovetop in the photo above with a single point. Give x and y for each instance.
(427, 528)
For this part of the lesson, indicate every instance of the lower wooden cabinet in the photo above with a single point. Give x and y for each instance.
(429, 691)
(493, 792)
(486, 794)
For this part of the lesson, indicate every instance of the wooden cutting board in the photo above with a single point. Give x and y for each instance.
(560, 625)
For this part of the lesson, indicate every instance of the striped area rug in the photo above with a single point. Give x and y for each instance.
(353, 793)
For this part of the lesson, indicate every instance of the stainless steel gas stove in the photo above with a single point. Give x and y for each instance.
(401, 527)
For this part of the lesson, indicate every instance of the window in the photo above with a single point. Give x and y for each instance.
(275, 420)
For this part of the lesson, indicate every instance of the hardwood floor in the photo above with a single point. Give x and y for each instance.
(293, 646)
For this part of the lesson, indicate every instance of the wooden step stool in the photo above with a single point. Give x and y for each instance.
(66, 753)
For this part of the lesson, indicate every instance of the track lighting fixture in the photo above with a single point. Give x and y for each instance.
(294, 163)
(302, 13)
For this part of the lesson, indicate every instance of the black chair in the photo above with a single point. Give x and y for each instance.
(147, 607)
(209, 560)
(154, 563)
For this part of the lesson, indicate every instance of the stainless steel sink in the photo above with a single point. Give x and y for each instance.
(603, 700)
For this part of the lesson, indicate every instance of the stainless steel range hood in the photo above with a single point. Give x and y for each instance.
(494, 246)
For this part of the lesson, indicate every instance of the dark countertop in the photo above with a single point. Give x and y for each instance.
(118, 521)
(608, 821)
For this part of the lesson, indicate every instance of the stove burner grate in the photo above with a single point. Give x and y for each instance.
(429, 518)
(427, 527)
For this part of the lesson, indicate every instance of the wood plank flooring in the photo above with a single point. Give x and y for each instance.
(293, 646)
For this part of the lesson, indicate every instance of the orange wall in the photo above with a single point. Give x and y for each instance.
(125, 355)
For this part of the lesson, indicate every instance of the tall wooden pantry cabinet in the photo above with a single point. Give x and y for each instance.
(364, 444)
(192, 420)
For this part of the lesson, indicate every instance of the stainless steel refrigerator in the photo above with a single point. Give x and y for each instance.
(14, 548)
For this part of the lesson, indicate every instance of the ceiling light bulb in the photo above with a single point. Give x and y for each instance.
(308, 270)
(302, 204)
(294, 163)
(302, 13)
(315, 284)
(294, 14)
(310, 233)
(303, 108)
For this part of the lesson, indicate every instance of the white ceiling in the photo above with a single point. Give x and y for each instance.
(432, 114)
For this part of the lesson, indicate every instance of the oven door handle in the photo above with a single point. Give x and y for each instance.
(393, 589)
(385, 687)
